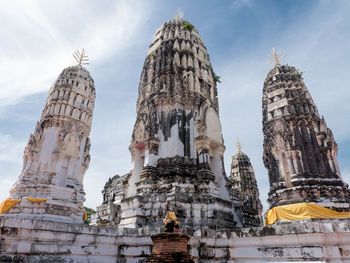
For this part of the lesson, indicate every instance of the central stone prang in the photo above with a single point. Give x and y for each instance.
(177, 146)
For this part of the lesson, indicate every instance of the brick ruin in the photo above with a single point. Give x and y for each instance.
(170, 247)
(300, 153)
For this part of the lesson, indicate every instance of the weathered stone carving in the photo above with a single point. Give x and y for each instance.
(176, 146)
(300, 153)
(243, 180)
(57, 154)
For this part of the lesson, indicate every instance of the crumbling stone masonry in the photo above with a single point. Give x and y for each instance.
(300, 153)
(176, 146)
(243, 180)
(57, 154)
(32, 241)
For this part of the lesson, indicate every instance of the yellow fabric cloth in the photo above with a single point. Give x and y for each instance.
(302, 211)
(35, 200)
(7, 204)
(170, 216)
(85, 214)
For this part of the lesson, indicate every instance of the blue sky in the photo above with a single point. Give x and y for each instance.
(37, 39)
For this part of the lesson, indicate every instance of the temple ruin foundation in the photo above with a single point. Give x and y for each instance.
(31, 240)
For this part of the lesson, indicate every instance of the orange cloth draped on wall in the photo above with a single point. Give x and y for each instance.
(302, 211)
(35, 200)
(7, 204)
(85, 216)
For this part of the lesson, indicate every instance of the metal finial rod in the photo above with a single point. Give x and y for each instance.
(276, 57)
(238, 145)
(179, 15)
(81, 57)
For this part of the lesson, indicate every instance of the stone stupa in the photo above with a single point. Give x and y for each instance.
(244, 181)
(300, 152)
(57, 154)
(177, 146)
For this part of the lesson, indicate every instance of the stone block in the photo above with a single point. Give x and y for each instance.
(136, 251)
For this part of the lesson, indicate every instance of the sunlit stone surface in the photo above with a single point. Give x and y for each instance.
(57, 154)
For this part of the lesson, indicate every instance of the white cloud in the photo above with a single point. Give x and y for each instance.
(34, 48)
(39, 40)
(11, 152)
(109, 153)
(237, 4)
(10, 149)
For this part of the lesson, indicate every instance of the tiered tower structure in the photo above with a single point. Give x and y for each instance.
(243, 180)
(300, 153)
(57, 154)
(177, 146)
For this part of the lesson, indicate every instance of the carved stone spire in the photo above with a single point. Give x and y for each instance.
(243, 180)
(300, 153)
(177, 143)
(175, 116)
(57, 154)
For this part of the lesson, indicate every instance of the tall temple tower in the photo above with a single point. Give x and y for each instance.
(177, 146)
(243, 180)
(57, 154)
(300, 153)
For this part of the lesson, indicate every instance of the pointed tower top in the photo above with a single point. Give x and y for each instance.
(276, 57)
(238, 146)
(179, 15)
(81, 57)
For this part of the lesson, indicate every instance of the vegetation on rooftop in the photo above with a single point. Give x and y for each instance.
(152, 54)
(299, 74)
(217, 79)
(234, 180)
(188, 26)
(89, 212)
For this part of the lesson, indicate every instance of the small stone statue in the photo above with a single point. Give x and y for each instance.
(171, 224)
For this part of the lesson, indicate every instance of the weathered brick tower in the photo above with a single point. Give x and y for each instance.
(57, 154)
(177, 146)
(244, 182)
(300, 153)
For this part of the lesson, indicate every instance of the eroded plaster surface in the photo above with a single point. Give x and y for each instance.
(176, 145)
(57, 154)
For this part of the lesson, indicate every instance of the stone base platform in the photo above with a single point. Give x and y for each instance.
(37, 240)
(41, 241)
(51, 210)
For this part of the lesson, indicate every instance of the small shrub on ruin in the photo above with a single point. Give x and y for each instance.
(188, 26)
(217, 79)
